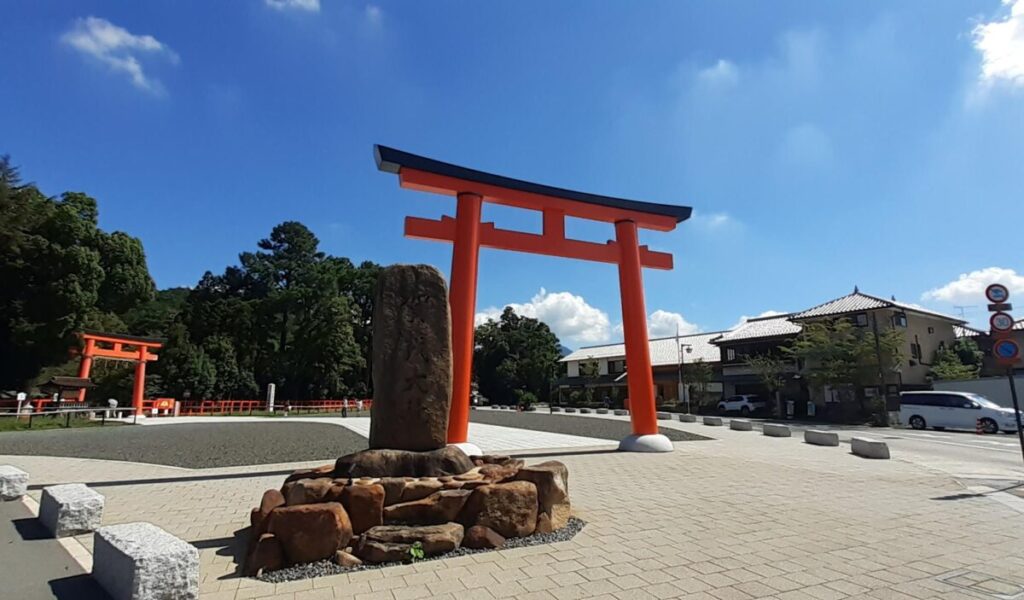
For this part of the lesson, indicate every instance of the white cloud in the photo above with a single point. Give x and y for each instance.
(374, 14)
(712, 221)
(307, 5)
(722, 74)
(662, 323)
(119, 49)
(969, 288)
(745, 318)
(568, 315)
(1001, 44)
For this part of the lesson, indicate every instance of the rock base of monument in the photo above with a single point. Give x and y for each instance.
(358, 511)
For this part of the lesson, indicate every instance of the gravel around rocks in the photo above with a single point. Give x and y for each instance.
(607, 429)
(326, 567)
(193, 446)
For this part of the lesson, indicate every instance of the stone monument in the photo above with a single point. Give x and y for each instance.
(409, 489)
(412, 360)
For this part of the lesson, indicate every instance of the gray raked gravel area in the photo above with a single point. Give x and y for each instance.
(595, 427)
(194, 446)
(326, 567)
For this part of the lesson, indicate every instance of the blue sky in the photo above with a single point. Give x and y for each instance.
(822, 145)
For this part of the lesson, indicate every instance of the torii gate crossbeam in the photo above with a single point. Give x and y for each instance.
(468, 234)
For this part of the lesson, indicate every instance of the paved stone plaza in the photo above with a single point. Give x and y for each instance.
(743, 516)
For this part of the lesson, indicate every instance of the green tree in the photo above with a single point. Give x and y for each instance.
(288, 314)
(60, 273)
(837, 353)
(515, 355)
(771, 369)
(962, 361)
(697, 375)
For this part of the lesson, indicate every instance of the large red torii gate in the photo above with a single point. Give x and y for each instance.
(126, 348)
(467, 234)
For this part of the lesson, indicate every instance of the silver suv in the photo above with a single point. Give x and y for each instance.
(743, 404)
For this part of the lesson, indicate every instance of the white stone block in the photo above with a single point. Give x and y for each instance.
(570, 409)
(555, 409)
(869, 448)
(602, 411)
(140, 561)
(584, 411)
(821, 438)
(70, 509)
(13, 482)
(655, 442)
(741, 425)
(621, 412)
(688, 418)
(713, 421)
(775, 430)
(664, 416)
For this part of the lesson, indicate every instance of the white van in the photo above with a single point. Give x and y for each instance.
(955, 410)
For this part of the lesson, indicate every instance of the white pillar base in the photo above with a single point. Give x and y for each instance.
(469, 449)
(646, 443)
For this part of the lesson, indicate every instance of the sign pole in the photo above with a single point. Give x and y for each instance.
(1016, 408)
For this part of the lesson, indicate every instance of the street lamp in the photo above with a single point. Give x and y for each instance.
(682, 389)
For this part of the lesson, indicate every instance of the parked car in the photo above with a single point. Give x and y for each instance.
(744, 404)
(955, 410)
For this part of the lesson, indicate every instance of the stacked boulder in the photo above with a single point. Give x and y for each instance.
(317, 515)
(409, 495)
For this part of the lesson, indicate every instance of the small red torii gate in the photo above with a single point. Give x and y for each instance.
(467, 234)
(115, 346)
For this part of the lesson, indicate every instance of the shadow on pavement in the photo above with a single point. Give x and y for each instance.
(31, 529)
(159, 480)
(77, 587)
(969, 495)
(234, 546)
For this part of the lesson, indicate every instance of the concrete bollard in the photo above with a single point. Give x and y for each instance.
(13, 482)
(664, 416)
(570, 409)
(773, 430)
(741, 425)
(140, 561)
(713, 421)
(687, 418)
(70, 509)
(621, 412)
(602, 411)
(821, 438)
(584, 411)
(869, 448)
(555, 409)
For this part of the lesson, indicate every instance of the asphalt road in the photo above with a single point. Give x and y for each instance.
(959, 453)
(192, 445)
(608, 429)
(36, 567)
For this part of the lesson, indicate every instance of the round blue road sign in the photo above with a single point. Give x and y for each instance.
(1006, 350)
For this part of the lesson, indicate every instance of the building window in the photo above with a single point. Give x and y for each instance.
(616, 366)
(915, 350)
(900, 320)
(860, 320)
(931, 330)
(730, 354)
